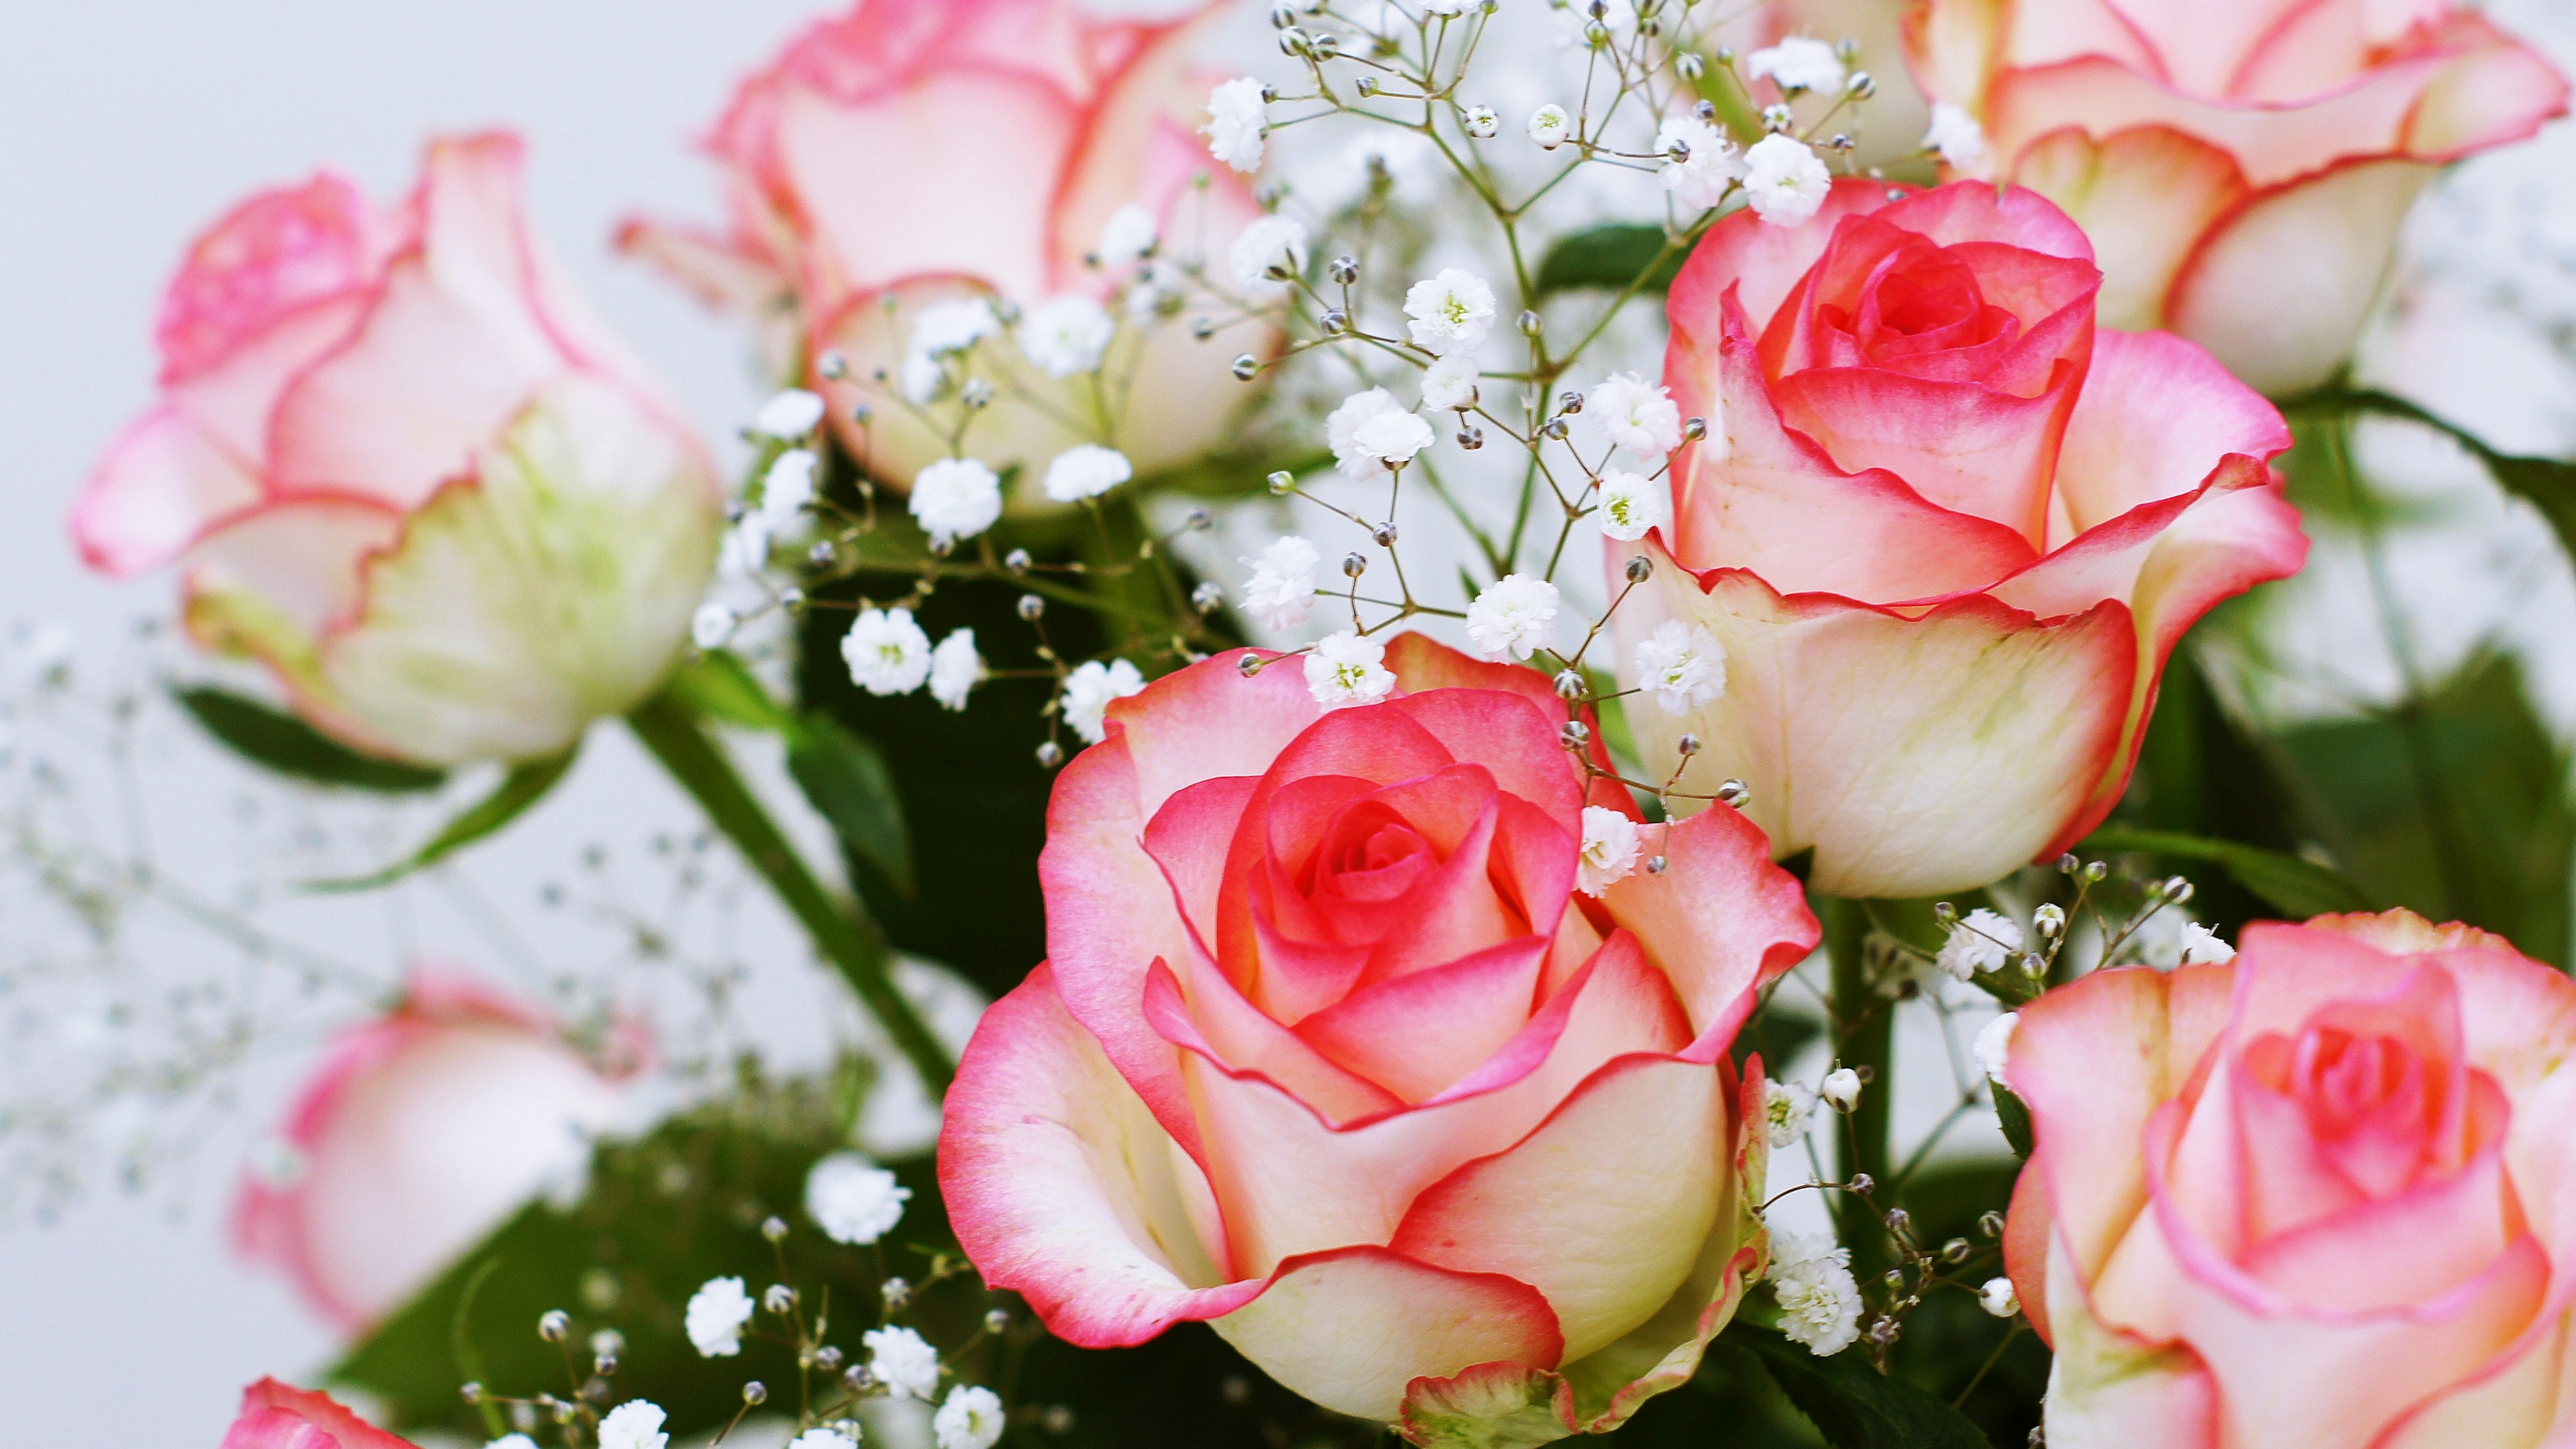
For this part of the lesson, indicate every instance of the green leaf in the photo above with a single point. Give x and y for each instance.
(1851, 1402)
(2548, 484)
(1613, 257)
(848, 781)
(2295, 886)
(525, 785)
(279, 741)
(718, 685)
(2013, 1115)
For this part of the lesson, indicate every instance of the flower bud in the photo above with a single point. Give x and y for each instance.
(1841, 1088)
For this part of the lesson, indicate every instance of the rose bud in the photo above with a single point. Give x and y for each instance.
(275, 1416)
(2312, 1198)
(402, 466)
(1334, 1051)
(1940, 538)
(902, 179)
(416, 1135)
(2243, 170)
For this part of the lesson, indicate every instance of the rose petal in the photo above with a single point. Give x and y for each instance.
(2145, 196)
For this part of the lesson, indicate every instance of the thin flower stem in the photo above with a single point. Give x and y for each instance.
(1863, 1039)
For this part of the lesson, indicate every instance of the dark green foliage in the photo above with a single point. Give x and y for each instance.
(278, 741)
(1611, 257)
(1850, 1402)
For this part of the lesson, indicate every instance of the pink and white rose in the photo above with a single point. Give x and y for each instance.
(403, 466)
(2242, 168)
(279, 1416)
(913, 153)
(2320, 1197)
(1330, 1053)
(1942, 533)
(418, 1134)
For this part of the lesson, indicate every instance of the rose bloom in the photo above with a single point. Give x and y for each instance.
(403, 467)
(2242, 167)
(1945, 531)
(915, 152)
(276, 1416)
(416, 1135)
(2316, 1198)
(1329, 1053)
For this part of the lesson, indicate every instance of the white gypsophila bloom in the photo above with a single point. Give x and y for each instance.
(1451, 312)
(1841, 1088)
(1993, 1048)
(1514, 615)
(1391, 439)
(970, 1419)
(1086, 470)
(787, 489)
(635, 1424)
(1788, 1112)
(1238, 118)
(1129, 233)
(1637, 417)
(948, 327)
(924, 378)
(1632, 505)
(1958, 138)
(1067, 336)
(1702, 178)
(1155, 281)
(1088, 690)
(1269, 241)
(1549, 126)
(745, 550)
(1682, 665)
(1819, 1301)
(1982, 941)
(512, 1441)
(712, 625)
(887, 653)
(956, 498)
(822, 1436)
(955, 669)
(1798, 63)
(1449, 385)
(1785, 180)
(852, 1199)
(1611, 842)
(2202, 946)
(717, 1314)
(1482, 122)
(1346, 669)
(1408, 160)
(790, 415)
(903, 1361)
(1342, 427)
(1281, 592)
(1999, 1298)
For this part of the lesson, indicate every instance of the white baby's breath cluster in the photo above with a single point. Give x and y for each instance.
(1811, 1279)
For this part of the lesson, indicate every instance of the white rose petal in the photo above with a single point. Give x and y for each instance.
(1090, 688)
(1269, 241)
(1086, 470)
(956, 498)
(970, 1419)
(1346, 669)
(1785, 181)
(1799, 63)
(1281, 592)
(887, 653)
(852, 1199)
(1238, 117)
(1702, 178)
(790, 415)
(1451, 312)
(716, 1316)
(1514, 615)
(1632, 505)
(1611, 843)
(1681, 665)
(903, 1361)
(955, 669)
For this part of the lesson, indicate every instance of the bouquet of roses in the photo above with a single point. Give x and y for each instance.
(1542, 655)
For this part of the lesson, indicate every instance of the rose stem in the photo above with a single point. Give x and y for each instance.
(1862, 1027)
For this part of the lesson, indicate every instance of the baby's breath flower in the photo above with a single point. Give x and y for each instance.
(1237, 119)
(1086, 470)
(1798, 63)
(903, 1361)
(716, 1316)
(1636, 416)
(1364, 457)
(955, 669)
(1549, 125)
(970, 1419)
(1788, 1111)
(787, 489)
(1981, 942)
(1993, 1048)
(1515, 615)
(1840, 1089)
(1345, 669)
(1481, 121)
(1088, 690)
(1068, 335)
(1700, 178)
(822, 1436)
(956, 498)
(745, 551)
(1958, 138)
(1819, 1301)
(852, 1199)
(943, 328)
(1391, 439)
(1281, 592)
(1999, 1298)
(1682, 665)
(886, 651)
(789, 415)
(635, 1424)
(1270, 241)
(512, 1441)
(1631, 505)
(1610, 846)
(712, 625)
(1451, 312)
(2202, 946)
(1449, 385)
(1785, 181)
(1128, 234)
